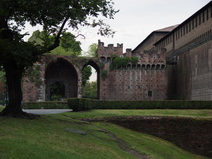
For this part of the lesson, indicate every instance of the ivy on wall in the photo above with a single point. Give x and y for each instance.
(118, 62)
(104, 74)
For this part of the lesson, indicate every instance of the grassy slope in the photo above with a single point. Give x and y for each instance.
(47, 138)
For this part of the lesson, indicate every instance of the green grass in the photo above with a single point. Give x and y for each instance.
(47, 137)
(194, 113)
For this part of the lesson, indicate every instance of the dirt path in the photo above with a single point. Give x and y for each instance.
(123, 145)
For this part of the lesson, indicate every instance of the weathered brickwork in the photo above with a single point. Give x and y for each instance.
(144, 81)
(189, 46)
(173, 63)
(55, 69)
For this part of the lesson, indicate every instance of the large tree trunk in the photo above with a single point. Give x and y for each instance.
(13, 77)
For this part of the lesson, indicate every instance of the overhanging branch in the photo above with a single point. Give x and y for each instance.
(57, 39)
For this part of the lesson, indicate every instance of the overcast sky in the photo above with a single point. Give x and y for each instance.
(138, 18)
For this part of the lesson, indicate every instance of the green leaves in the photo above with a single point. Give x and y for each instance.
(118, 62)
(68, 44)
(86, 73)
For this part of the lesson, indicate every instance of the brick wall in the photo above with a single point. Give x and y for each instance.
(144, 81)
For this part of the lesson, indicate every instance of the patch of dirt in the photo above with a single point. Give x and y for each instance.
(193, 135)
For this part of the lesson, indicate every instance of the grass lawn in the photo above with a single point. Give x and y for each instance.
(48, 137)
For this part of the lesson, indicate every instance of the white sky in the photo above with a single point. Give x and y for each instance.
(138, 18)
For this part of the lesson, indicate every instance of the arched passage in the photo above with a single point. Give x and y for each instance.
(63, 72)
(57, 91)
(96, 67)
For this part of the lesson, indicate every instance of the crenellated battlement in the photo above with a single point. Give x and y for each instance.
(106, 51)
(145, 58)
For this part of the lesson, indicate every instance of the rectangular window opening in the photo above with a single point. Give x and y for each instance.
(149, 93)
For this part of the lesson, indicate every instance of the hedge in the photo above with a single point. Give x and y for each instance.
(45, 105)
(80, 104)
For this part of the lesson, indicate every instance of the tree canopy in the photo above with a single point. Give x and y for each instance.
(92, 50)
(68, 44)
(55, 16)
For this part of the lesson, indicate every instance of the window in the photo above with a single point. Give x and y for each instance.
(207, 14)
(149, 93)
(203, 17)
(193, 24)
(196, 22)
(189, 26)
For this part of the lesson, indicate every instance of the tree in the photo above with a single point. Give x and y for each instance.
(90, 90)
(86, 73)
(92, 50)
(68, 44)
(55, 16)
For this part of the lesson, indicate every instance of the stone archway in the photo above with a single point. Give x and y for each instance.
(96, 67)
(60, 70)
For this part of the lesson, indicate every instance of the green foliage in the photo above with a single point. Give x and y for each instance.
(42, 38)
(90, 90)
(92, 51)
(104, 74)
(45, 105)
(101, 65)
(134, 60)
(57, 91)
(98, 104)
(68, 44)
(81, 104)
(68, 41)
(86, 73)
(119, 62)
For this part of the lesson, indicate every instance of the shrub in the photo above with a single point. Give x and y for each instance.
(81, 104)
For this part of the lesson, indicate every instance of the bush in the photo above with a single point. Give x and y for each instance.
(45, 105)
(81, 104)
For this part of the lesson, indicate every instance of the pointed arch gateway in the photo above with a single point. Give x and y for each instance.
(60, 73)
(96, 67)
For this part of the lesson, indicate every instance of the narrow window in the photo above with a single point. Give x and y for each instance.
(193, 24)
(149, 93)
(207, 14)
(203, 17)
(200, 19)
(196, 22)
